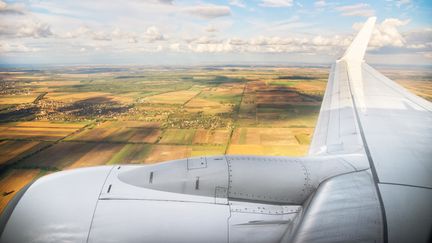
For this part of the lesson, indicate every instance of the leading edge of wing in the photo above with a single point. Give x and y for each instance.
(337, 129)
(357, 49)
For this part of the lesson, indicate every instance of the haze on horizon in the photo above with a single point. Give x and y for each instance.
(177, 32)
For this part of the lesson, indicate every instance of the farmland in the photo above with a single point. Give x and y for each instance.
(64, 118)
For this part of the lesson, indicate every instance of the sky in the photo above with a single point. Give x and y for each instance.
(205, 32)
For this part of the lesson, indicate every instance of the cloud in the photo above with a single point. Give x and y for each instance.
(427, 55)
(102, 36)
(211, 47)
(422, 36)
(10, 8)
(153, 34)
(29, 29)
(166, 1)
(387, 39)
(64, 28)
(276, 3)
(81, 31)
(386, 33)
(19, 23)
(400, 3)
(15, 48)
(237, 3)
(419, 41)
(204, 40)
(320, 3)
(264, 44)
(360, 9)
(176, 47)
(209, 11)
(211, 29)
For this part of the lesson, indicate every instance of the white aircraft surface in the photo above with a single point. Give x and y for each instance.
(367, 178)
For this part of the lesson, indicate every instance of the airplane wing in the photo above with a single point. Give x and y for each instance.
(365, 112)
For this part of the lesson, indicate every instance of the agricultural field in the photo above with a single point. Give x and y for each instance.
(15, 150)
(416, 80)
(18, 99)
(72, 117)
(14, 180)
(172, 98)
(119, 131)
(38, 130)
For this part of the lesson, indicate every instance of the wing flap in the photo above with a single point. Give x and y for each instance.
(397, 129)
(337, 131)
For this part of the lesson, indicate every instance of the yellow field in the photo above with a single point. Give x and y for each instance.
(177, 136)
(278, 119)
(264, 136)
(17, 99)
(422, 89)
(203, 136)
(42, 130)
(10, 150)
(55, 83)
(121, 131)
(160, 153)
(13, 182)
(230, 88)
(276, 150)
(207, 106)
(131, 154)
(95, 97)
(207, 150)
(49, 124)
(98, 155)
(177, 97)
(58, 156)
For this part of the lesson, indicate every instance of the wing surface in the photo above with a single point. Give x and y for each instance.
(365, 112)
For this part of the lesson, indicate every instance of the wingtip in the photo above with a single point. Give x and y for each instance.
(357, 49)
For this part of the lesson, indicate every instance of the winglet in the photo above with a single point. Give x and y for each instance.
(357, 49)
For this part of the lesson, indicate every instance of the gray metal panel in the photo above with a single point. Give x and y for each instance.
(280, 179)
(397, 128)
(195, 176)
(257, 223)
(171, 181)
(57, 208)
(269, 179)
(159, 221)
(337, 130)
(319, 138)
(344, 209)
(409, 213)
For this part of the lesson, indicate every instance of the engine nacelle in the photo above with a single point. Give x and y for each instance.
(203, 199)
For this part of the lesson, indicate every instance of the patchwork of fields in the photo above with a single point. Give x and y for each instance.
(53, 120)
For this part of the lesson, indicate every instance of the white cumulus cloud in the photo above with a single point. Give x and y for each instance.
(386, 33)
(6, 8)
(237, 3)
(320, 3)
(153, 34)
(209, 11)
(360, 9)
(276, 3)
